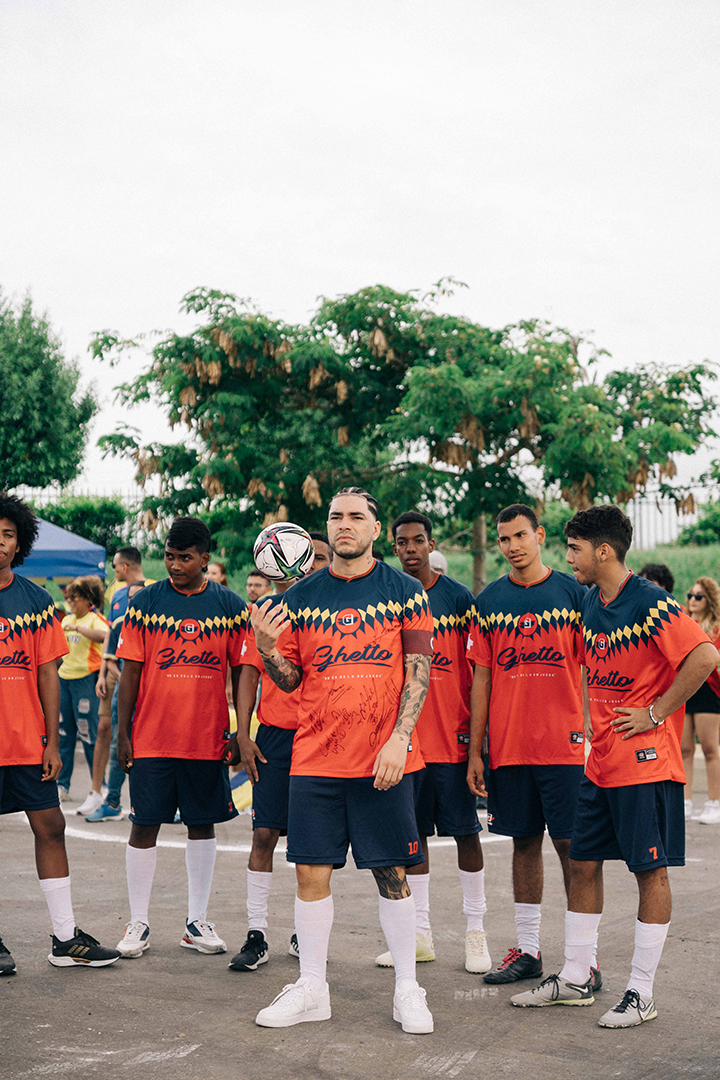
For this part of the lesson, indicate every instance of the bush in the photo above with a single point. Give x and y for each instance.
(105, 521)
(707, 530)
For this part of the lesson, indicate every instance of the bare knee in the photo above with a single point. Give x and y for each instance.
(48, 826)
(264, 841)
(584, 873)
(313, 881)
(527, 846)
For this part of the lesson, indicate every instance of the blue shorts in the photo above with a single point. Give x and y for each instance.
(271, 792)
(23, 788)
(200, 790)
(328, 813)
(523, 799)
(642, 824)
(443, 800)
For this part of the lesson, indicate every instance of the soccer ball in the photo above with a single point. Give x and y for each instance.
(284, 551)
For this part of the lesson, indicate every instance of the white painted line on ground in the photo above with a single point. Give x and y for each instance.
(163, 1055)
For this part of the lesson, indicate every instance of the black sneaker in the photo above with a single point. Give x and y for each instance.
(596, 979)
(81, 951)
(516, 965)
(253, 953)
(294, 949)
(7, 964)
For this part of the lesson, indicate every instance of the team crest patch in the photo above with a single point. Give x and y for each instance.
(576, 736)
(601, 645)
(463, 738)
(528, 624)
(649, 754)
(189, 629)
(348, 621)
(4, 629)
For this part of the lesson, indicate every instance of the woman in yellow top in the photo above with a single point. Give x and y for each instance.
(85, 630)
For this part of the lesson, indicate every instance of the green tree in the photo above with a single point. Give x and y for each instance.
(105, 521)
(424, 408)
(44, 414)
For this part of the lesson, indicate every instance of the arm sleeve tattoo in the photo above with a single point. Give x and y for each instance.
(414, 692)
(283, 672)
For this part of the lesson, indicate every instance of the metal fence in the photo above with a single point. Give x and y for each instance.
(656, 520)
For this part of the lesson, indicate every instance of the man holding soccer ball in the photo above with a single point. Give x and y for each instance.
(359, 638)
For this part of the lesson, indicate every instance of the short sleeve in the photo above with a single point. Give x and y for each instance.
(131, 643)
(291, 639)
(678, 637)
(51, 642)
(417, 625)
(479, 644)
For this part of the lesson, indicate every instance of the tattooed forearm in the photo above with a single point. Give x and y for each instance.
(391, 882)
(414, 692)
(283, 673)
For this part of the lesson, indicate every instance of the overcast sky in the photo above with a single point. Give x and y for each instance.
(561, 157)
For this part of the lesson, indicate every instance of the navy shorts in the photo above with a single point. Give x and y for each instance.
(328, 814)
(23, 788)
(443, 800)
(642, 824)
(200, 790)
(271, 792)
(523, 799)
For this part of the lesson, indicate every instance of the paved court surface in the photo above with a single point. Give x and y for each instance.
(176, 1015)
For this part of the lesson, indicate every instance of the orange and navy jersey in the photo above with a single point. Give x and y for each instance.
(30, 635)
(443, 730)
(713, 679)
(531, 639)
(350, 637)
(185, 643)
(276, 708)
(634, 647)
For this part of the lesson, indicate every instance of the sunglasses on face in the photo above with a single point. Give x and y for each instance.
(696, 596)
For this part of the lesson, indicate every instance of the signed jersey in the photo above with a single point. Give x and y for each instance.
(634, 647)
(30, 635)
(185, 644)
(350, 636)
(530, 637)
(276, 708)
(443, 730)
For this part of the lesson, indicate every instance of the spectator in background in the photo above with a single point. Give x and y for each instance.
(660, 574)
(438, 562)
(217, 571)
(702, 710)
(127, 566)
(257, 585)
(85, 630)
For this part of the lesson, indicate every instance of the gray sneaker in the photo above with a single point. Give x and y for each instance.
(555, 991)
(629, 1012)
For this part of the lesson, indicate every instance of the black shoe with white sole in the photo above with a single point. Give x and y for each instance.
(253, 953)
(82, 950)
(7, 964)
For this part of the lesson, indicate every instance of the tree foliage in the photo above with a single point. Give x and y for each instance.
(44, 415)
(105, 521)
(383, 389)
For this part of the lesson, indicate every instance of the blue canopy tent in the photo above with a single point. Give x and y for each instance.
(60, 554)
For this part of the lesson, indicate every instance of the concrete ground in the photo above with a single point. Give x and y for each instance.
(174, 1014)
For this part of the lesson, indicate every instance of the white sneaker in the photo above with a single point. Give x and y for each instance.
(411, 1011)
(711, 813)
(477, 955)
(424, 951)
(201, 935)
(629, 1012)
(688, 809)
(134, 941)
(555, 991)
(91, 804)
(297, 1003)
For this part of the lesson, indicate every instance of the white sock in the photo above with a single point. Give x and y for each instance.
(474, 902)
(581, 930)
(200, 865)
(140, 868)
(397, 918)
(313, 923)
(59, 902)
(258, 891)
(420, 889)
(649, 941)
(527, 921)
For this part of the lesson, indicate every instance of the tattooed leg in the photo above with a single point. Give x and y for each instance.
(391, 882)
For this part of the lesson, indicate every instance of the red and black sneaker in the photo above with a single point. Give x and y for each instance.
(516, 966)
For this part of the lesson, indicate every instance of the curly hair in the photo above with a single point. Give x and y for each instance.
(711, 623)
(24, 520)
(90, 588)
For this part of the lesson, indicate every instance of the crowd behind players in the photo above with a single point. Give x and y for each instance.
(525, 795)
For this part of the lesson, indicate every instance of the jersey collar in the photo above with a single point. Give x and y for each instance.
(195, 592)
(530, 584)
(356, 577)
(8, 583)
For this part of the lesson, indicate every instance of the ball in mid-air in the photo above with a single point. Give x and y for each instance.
(284, 551)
